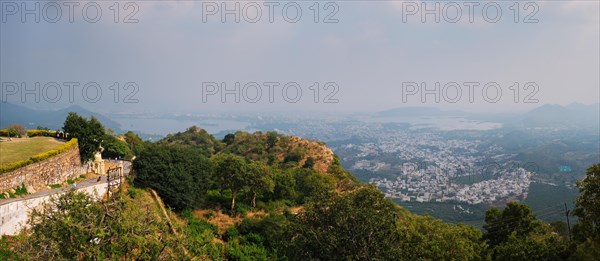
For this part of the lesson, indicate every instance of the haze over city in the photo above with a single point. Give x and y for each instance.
(369, 50)
(299, 130)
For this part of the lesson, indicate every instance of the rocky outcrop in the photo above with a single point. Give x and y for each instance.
(317, 151)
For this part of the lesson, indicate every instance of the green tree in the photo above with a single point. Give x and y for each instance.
(272, 139)
(136, 144)
(16, 130)
(194, 137)
(542, 244)
(561, 228)
(115, 148)
(515, 234)
(285, 185)
(260, 179)
(309, 163)
(294, 156)
(516, 217)
(179, 174)
(587, 205)
(428, 238)
(88, 133)
(229, 138)
(309, 183)
(588, 250)
(359, 225)
(230, 173)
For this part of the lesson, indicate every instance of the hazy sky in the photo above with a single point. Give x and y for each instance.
(370, 50)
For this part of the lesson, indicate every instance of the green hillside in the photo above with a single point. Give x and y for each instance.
(266, 196)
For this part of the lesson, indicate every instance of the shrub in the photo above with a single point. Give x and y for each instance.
(253, 238)
(262, 205)
(134, 192)
(14, 165)
(22, 190)
(4, 133)
(209, 214)
(247, 252)
(201, 234)
(43, 133)
(9, 133)
(216, 198)
(242, 208)
(275, 205)
(231, 233)
(74, 226)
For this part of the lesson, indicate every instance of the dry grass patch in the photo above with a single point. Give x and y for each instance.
(217, 218)
(258, 214)
(296, 209)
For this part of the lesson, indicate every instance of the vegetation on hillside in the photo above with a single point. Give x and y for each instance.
(73, 226)
(330, 216)
(264, 196)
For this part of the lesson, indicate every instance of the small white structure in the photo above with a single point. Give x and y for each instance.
(98, 166)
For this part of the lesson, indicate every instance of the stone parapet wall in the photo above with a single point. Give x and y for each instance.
(39, 175)
(13, 215)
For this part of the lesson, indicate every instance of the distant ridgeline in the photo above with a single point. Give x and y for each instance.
(50, 167)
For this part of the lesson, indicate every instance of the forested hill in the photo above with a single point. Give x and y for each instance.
(291, 199)
(311, 208)
(269, 147)
(266, 196)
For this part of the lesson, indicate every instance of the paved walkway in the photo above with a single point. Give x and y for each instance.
(80, 184)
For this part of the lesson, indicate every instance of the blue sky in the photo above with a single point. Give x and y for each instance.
(368, 53)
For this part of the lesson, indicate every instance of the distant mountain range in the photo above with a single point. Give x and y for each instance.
(553, 115)
(53, 119)
(548, 115)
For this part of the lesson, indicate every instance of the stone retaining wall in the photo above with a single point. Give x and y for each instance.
(36, 176)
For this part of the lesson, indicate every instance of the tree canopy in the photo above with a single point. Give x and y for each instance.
(179, 174)
(115, 148)
(587, 205)
(89, 134)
